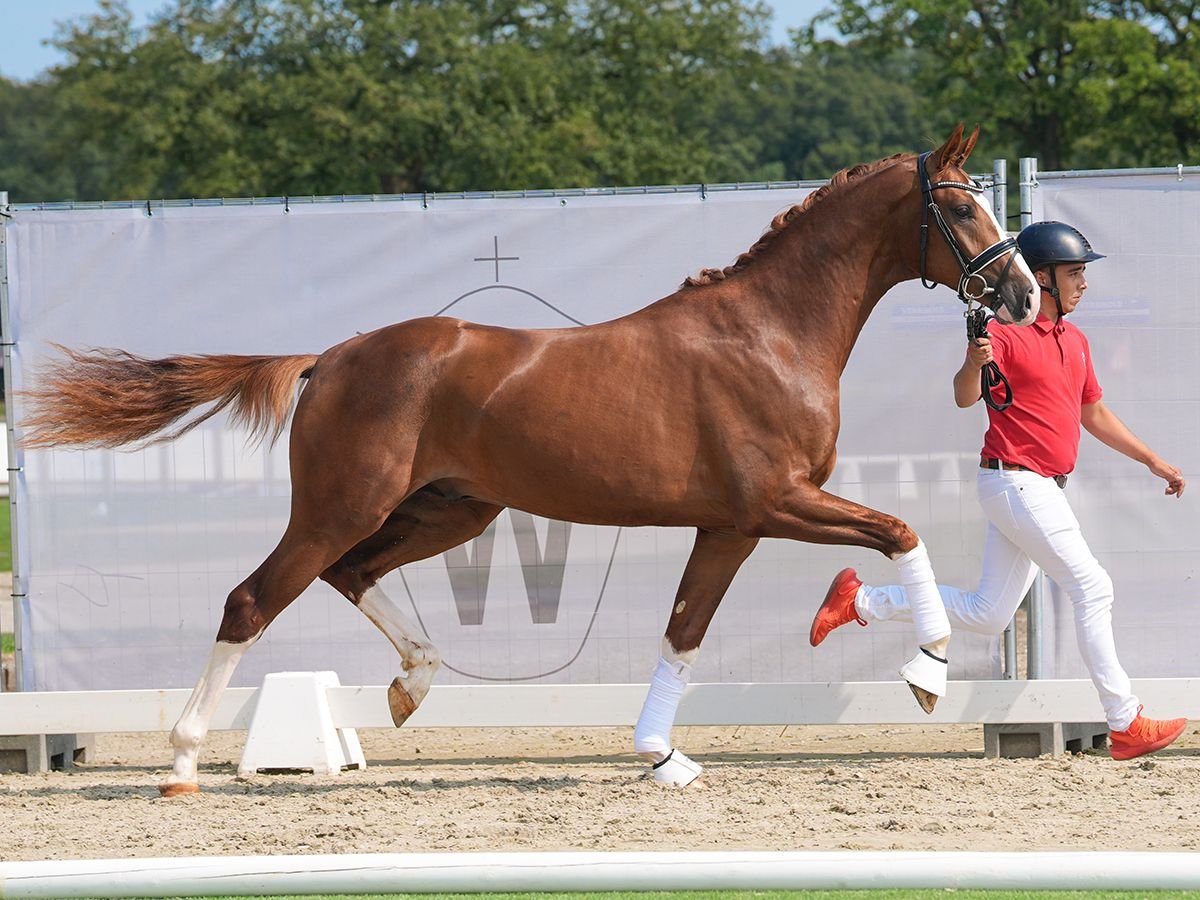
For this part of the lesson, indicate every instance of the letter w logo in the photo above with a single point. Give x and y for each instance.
(542, 571)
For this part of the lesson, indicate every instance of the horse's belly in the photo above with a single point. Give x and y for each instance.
(615, 491)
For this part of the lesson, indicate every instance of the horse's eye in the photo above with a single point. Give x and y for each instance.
(963, 212)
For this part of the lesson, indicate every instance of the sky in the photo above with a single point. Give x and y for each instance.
(26, 24)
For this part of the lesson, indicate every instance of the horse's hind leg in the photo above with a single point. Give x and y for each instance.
(423, 525)
(715, 559)
(291, 567)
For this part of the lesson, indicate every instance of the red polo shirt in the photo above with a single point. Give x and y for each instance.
(1049, 367)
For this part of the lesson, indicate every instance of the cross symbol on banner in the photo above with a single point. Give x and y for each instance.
(495, 257)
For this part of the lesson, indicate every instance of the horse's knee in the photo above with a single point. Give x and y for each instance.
(243, 619)
(898, 539)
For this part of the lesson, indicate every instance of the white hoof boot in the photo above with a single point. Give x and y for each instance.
(926, 675)
(676, 770)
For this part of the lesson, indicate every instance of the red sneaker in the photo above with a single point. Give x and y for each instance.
(838, 608)
(1144, 736)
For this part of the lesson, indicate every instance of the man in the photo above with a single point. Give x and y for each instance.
(1028, 451)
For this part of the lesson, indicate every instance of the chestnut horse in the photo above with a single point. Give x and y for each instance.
(716, 407)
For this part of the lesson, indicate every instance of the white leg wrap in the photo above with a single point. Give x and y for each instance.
(924, 599)
(926, 671)
(653, 731)
(677, 770)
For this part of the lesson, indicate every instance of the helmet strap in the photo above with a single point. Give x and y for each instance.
(1052, 290)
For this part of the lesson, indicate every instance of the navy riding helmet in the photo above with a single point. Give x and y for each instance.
(1051, 243)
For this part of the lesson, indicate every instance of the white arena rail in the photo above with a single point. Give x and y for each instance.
(459, 706)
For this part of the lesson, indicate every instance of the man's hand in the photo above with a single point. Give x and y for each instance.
(979, 352)
(1170, 474)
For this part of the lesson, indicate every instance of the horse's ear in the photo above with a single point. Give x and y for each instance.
(969, 145)
(955, 150)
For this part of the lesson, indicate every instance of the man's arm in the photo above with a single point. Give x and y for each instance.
(966, 379)
(1104, 424)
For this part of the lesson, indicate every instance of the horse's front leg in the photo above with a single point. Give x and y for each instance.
(804, 512)
(715, 559)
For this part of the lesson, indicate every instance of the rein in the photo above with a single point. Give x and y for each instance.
(990, 375)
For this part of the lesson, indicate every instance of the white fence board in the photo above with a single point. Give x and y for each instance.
(612, 705)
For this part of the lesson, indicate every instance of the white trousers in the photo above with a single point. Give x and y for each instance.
(1030, 526)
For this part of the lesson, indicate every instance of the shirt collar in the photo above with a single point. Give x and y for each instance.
(1045, 326)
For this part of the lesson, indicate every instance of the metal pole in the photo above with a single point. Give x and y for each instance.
(6, 343)
(1010, 650)
(1000, 208)
(1033, 639)
(1000, 191)
(1035, 597)
(1028, 175)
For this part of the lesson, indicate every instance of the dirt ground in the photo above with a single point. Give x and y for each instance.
(812, 787)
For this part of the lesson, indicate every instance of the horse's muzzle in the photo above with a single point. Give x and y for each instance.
(1014, 303)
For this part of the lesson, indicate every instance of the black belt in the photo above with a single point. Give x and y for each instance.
(989, 462)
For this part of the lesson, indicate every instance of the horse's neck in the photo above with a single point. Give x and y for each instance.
(829, 269)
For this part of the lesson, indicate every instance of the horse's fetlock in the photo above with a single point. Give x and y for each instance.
(423, 657)
(185, 736)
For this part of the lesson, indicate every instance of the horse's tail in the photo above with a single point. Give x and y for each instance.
(110, 398)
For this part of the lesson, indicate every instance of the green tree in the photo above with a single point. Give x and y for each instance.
(1073, 82)
(239, 97)
(845, 108)
(29, 168)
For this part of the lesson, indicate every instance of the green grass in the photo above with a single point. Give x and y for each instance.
(5, 512)
(8, 643)
(772, 895)
(5, 536)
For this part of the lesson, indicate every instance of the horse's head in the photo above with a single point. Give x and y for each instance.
(972, 252)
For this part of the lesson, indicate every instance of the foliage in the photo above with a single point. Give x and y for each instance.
(27, 161)
(5, 539)
(1076, 83)
(354, 96)
(288, 97)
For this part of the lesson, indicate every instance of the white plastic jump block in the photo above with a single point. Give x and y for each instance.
(292, 728)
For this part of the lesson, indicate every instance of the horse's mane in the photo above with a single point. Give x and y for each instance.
(785, 218)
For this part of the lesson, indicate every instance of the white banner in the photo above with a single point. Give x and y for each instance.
(128, 556)
(1141, 314)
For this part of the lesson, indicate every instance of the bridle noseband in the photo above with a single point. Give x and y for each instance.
(971, 268)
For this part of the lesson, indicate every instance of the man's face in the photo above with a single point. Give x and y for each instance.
(1071, 285)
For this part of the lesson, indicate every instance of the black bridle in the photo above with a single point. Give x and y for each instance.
(971, 269)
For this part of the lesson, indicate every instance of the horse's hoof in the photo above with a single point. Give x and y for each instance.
(400, 703)
(677, 770)
(178, 789)
(926, 700)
